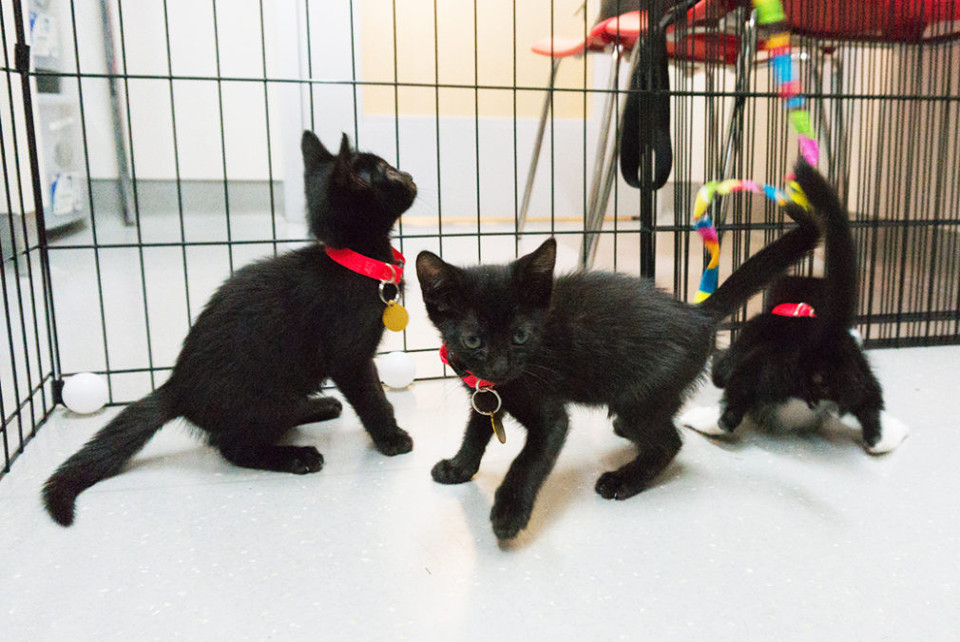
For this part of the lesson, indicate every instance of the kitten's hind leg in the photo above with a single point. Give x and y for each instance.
(892, 433)
(362, 389)
(464, 465)
(658, 441)
(858, 392)
(314, 409)
(888, 430)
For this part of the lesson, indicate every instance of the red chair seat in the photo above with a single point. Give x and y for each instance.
(721, 48)
(905, 21)
(597, 40)
(626, 28)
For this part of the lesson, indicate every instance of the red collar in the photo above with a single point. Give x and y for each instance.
(469, 378)
(383, 272)
(793, 310)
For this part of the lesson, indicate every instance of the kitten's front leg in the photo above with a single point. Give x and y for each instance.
(466, 462)
(546, 432)
(362, 390)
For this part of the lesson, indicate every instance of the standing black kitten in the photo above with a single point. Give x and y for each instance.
(789, 370)
(270, 336)
(588, 337)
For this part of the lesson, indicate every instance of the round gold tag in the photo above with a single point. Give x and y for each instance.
(395, 317)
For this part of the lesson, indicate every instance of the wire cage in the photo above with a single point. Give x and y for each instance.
(150, 148)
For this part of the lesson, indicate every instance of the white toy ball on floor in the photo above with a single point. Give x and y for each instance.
(397, 369)
(85, 393)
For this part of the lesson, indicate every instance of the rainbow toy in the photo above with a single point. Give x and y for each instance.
(777, 44)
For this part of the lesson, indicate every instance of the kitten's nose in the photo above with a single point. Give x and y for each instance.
(499, 368)
(408, 179)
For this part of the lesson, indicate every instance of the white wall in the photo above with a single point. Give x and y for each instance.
(13, 129)
(440, 151)
(195, 104)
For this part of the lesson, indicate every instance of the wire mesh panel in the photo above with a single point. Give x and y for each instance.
(184, 119)
(27, 359)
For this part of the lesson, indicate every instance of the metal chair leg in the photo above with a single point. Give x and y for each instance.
(745, 60)
(537, 146)
(604, 166)
(824, 129)
(839, 133)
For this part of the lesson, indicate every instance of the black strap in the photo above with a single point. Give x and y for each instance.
(646, 115)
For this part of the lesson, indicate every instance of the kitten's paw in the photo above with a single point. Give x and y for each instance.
(447, 471)
(850, 421)
(729, 421)
(509, 517)
(330, 406)
(321, 409)
(304, 459)
(892, 434)
(394, 443)
(612, 485)
(703, 419)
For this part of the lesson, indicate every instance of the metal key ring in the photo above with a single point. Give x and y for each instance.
(383, 297)
(478, 390)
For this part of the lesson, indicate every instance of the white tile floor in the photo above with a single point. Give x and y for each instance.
(762, 537)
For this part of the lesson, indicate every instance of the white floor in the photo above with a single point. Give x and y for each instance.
(759, 537)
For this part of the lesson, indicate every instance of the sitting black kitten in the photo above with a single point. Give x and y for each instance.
(588, 337)
(795, 371)
(270, 336)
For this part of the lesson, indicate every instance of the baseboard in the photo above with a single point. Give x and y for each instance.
(164, 196)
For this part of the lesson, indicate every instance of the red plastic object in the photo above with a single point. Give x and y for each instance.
(565, 46)
(626, 28)
(906, 21)
(720, 48)
(597, 40)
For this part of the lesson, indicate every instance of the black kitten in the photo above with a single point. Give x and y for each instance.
(789, 371)
(270, 336)
(589, 337)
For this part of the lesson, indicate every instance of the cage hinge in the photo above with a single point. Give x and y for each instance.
(58, 391)
(22, 57)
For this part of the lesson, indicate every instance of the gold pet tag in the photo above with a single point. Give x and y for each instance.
(498, 429)
(479, 393)
(395, 317)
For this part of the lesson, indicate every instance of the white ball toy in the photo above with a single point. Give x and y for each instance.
(85, 393)
(397, 369)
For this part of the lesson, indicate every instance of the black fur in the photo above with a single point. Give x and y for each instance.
(267, 339)
(589, 337)
(776, 358)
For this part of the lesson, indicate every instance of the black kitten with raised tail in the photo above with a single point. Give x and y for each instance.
(589, 337)
(256, 356)
(797, 363)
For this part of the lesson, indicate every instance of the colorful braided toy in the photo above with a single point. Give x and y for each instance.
(772, 19)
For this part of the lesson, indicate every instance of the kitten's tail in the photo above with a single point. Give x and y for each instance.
(106, 453)
(767, 264)
(840, 295)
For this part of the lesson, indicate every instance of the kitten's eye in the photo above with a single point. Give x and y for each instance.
(364, 177)
(520, 336)
(471, 341)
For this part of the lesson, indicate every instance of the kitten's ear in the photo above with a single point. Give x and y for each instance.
(438, 280)
(344, 152)
(314, 153)
(533, 273)
(342, 168)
